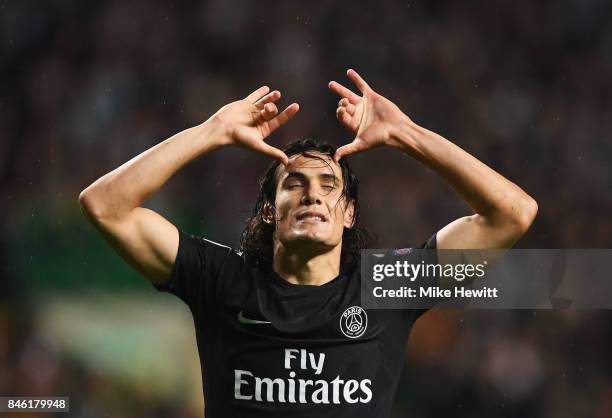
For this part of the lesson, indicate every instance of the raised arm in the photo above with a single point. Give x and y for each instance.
(502, 210)
(142, 237)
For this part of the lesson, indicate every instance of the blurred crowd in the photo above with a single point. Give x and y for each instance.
(525, 88)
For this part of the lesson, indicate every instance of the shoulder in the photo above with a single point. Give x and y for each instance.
(199, 252)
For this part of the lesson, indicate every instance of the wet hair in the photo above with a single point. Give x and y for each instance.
(256, 241)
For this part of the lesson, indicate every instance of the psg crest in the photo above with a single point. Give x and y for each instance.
(353, 322)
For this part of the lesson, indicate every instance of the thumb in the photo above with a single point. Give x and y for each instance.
(352, 148)
(271, 151)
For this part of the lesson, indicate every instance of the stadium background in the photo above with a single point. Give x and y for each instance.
(86, 86)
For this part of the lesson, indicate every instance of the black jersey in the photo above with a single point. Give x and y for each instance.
(269, 348)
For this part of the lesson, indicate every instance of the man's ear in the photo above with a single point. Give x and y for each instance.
(349, 215)
(268, 213)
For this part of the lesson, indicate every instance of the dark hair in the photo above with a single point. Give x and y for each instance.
(256, 241)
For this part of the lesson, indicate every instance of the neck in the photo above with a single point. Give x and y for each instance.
(301, 267)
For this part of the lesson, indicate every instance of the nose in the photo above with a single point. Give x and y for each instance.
(311, 196)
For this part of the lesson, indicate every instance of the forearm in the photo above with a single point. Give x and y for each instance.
(487, 192)
(127, 187)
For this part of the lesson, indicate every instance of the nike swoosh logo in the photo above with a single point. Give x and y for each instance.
(243, 320)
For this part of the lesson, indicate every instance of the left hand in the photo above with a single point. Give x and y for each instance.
(370, 117)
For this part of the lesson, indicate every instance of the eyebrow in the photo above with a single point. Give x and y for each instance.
(301, 176)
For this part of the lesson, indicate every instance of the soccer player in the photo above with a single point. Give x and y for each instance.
(279, 325)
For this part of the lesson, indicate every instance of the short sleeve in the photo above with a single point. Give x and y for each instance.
(196, 272)
(430, 257)
(430, 244)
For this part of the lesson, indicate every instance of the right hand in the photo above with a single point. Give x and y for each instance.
(249, 121)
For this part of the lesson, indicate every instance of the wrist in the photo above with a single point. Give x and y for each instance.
(215, 131)
(405, 135)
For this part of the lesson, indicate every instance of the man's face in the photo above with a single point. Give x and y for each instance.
(310, 209)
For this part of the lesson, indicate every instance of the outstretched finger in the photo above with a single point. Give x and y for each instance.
(270, 97)
(359, 82)
(261, 146)
(284, 116)
(342, 91)
(352, 148)
(257, 94)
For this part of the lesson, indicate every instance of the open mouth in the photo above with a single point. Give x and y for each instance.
(312, 216)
